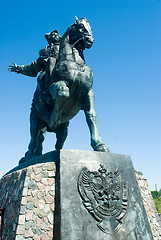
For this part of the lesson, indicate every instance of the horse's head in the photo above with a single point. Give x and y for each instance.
(81, 33)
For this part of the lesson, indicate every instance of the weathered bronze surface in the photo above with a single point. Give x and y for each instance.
(64, 87)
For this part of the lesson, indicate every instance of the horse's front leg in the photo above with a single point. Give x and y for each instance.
(61, 135)
(91, 118)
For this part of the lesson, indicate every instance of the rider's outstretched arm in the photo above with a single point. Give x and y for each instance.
(30, 70)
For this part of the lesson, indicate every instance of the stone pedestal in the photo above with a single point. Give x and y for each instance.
(99, 198)
(27, 195)
(78, 195)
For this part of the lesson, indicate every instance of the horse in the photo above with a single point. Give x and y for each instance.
(69, 91)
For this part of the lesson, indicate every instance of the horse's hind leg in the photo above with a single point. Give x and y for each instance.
(61, 135)
(37, 132)
(41, 138)
(91, 118)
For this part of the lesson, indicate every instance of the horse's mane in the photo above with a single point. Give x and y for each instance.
(67, 31)
(71, 27)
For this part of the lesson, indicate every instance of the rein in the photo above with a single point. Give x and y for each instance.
(76, 42)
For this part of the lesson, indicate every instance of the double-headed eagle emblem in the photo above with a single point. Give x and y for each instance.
(105, 196)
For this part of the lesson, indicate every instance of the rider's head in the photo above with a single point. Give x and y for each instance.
(53, 37)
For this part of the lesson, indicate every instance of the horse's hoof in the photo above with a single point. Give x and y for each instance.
(22, 160)
(101, 147)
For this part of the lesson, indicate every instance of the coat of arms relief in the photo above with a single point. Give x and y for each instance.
(105, 196)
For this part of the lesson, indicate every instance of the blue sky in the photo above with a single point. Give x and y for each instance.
(125, 59)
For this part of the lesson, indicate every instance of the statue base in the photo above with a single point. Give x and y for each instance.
(98, 198)
(78, 195)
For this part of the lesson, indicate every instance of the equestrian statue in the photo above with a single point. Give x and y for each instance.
(64, 87)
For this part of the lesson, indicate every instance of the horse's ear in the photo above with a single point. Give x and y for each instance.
(76, 19)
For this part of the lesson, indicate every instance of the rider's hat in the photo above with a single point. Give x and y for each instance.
(49, 35)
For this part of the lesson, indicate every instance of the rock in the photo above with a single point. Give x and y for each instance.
(29, 214)
(38, 170)
(36, 237)
(21, 219)
(38, 178)
(49, 199)
(44, 236)
(20, 230)
(40, 186)
(50, 218)
(51, 181)
(28, 234)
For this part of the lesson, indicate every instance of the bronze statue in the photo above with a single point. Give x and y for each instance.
(64, 88)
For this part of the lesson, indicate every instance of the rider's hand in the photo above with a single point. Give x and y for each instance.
(15, 68)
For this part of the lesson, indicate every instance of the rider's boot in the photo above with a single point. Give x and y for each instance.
(59, 92)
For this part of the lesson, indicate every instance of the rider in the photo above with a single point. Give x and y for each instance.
(44, 64)
(42, 101)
